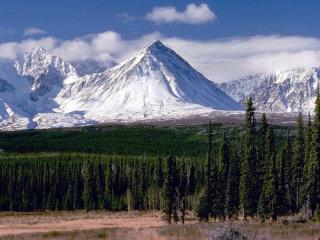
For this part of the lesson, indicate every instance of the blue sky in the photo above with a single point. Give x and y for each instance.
(68, 18)
(223, 39)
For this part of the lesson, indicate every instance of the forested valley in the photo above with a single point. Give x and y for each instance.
(216, 171)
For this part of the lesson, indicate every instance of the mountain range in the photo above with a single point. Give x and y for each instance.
(289, 91)
(39, 90)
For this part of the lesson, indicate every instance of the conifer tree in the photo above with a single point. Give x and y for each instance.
(262, 168)
(159, 173)
(313, 179)
(284, 177)
(269, 197)
(273, 191)
(169, 192)
(183, 188)
(78, 190)
(192, 180)
(69, 198)
(298, 163)
(108, 196)
(209, 154)
(232, 188)
(224, 162)
(101, 184)
(50, 201)
(248, 180)
(90, 195)
(307, 148)
(307, 141)
(224, 159)
(214, 193)
(204, 209)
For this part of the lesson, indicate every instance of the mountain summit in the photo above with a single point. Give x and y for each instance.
(156, 82)
(43, 70)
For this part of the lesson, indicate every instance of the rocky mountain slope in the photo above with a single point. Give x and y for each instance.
(288, 91)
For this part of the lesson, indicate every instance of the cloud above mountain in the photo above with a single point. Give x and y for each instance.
(218, 59)
(229, 59)
(192, 14)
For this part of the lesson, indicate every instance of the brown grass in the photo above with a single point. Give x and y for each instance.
(136, 226)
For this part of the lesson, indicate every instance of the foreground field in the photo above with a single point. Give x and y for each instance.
(134, 226)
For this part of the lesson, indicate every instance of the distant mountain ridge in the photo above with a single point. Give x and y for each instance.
(288, 91)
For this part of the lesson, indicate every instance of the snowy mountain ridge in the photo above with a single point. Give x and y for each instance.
(288, 91)
(39, 90)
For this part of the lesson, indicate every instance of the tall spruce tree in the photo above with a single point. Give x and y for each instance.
(273, 191)
(284, 177)
(248, 180)
(232, 188)
(269, 198)
(224, 162)
(183, 190)
(262, 158)
(192, 180)
(298, 163)
(307, 141)
(78, 190)
(90, 195)
(204, 208)
(159, 173)
(169, 191)
(214, 193)
(209, 153)
(307, 147)
(313, 179)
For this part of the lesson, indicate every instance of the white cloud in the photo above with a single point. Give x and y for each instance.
(229, 59)
(219, 60)
(192, 14)
(13, 49)
(104, 46)
(33, 31)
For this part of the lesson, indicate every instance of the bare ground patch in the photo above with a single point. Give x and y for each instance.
(136, 226)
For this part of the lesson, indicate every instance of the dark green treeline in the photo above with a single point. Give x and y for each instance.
(33, 182)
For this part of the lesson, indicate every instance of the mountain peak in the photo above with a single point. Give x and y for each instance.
(39, 51)
(157, 47)
(155, 44)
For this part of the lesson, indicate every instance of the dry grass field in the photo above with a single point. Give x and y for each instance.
(134, 226)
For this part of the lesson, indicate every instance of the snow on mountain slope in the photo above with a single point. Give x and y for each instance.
(288, 91)
(156, 82)
(43, 71)
(29, 85)
(58, 120)
(242, 88)
(40, 90)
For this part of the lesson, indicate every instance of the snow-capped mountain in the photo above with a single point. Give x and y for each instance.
(43, 70)
(156, 82)
(288, 91)
(41, 90)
